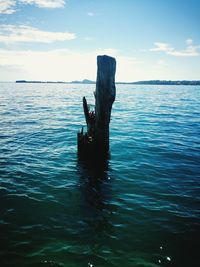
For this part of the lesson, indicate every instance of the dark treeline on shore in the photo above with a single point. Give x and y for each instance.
(150, 82)
(168, 82)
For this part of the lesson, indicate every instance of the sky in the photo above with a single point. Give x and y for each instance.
(59, 40)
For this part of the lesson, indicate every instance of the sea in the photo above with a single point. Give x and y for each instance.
(141, 208)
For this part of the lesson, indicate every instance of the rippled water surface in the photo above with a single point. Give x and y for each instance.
(140, 209)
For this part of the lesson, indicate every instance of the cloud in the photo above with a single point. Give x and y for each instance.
(22, 33)
(91, 14)
(190, 50)
(45, 3)
(161, 47)
(88, 38)
(7, 7)
(189, 41)
(61, 64)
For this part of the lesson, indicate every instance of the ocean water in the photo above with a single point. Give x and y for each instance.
(141, 208)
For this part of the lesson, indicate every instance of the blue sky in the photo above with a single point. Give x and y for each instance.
(60, 39)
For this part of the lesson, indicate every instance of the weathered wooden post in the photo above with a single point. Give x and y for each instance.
(104, 98)
(96, 140)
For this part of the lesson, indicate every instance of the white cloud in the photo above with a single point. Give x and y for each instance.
(62, 64)
(87, 38)
(45, 3)
(189, 41)
(91, 14)
(7, 6)
(161, 47)
(22, 33)
(190, 50)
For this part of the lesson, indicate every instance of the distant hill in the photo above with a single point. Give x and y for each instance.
(24, 81)
(165, 82)
(85, 81)
(79, 82)
(150, 82)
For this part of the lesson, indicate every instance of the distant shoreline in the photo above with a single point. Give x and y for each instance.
(150, 82)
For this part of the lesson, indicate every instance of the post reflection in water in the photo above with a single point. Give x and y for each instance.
(96, 207)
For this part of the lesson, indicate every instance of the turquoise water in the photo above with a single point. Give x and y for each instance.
(140, 209)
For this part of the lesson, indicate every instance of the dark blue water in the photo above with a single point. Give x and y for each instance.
(140, 209)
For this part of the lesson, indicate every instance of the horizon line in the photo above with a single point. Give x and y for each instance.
(92, 82)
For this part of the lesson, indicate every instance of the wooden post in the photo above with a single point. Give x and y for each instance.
(104, 98)
(96, 140)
